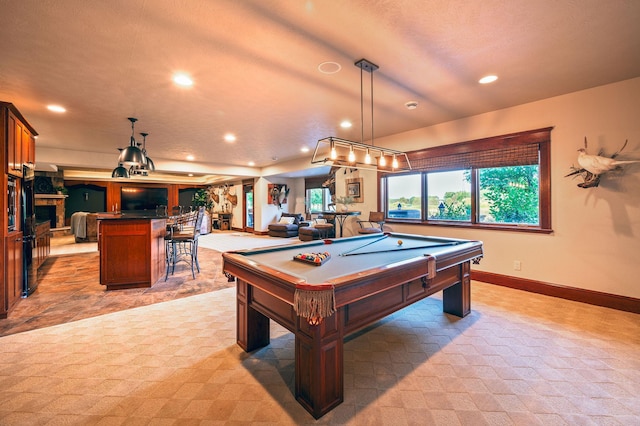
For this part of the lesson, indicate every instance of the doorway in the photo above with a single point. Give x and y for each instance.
(247, 190)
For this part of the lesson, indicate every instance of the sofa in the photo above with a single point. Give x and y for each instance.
(287, 225)
(84, 227)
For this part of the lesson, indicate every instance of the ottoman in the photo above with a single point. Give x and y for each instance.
(317, 232)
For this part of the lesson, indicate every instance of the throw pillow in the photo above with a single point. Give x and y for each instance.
(286, 220)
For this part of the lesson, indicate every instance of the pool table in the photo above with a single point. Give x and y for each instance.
(361, 280)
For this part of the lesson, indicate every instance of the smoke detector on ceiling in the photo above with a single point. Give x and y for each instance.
(411, 105)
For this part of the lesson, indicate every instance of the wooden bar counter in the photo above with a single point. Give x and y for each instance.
(131, 250)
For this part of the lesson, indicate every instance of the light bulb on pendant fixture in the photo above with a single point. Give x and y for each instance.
(382, 162)
(394, 162)
(333, 154)
(352, 155)
(367, 157)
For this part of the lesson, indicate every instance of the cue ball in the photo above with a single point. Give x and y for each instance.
(399, 242)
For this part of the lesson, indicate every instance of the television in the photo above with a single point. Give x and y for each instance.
(143, 198)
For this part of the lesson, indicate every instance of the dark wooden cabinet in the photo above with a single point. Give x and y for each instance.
(13, 272)
(131, 251)
(18, 149)
(28, 147)
(19, 140)
(10, 142)
(43, 243)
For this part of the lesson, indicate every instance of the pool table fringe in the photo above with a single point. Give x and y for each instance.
(314, 305)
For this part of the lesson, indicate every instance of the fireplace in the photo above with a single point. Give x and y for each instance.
(46, 213)
(50, 207)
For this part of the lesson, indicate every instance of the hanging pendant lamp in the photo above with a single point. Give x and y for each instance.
(134, 161)
(120, 172)
(340, 152)
(131, 155)
(148, 166)
(148, 161)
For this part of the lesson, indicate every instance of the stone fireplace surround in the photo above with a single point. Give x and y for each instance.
(56, 200)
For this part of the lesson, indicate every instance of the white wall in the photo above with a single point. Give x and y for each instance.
(596, 240)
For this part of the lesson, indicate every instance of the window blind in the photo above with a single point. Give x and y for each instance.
(516, 149)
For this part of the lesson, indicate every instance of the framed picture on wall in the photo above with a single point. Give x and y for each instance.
(355, 190)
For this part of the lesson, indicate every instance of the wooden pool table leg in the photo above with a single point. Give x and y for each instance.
(456, 300)
(319, 365)
(252, 327)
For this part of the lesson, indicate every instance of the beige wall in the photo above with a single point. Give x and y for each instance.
(596, 240)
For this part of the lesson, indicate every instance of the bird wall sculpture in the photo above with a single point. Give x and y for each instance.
(593, 166)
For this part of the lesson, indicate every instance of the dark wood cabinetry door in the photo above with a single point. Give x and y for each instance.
(27, 144)
(14, 146)
(21, 146)
(11, 144)
(13, 244)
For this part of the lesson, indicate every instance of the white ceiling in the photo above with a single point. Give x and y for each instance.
(255, 70)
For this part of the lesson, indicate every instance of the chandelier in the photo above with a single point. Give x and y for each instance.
(358, 155)
(133, 160)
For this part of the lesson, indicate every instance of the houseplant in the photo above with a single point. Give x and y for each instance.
(201, 198)
(346, 201)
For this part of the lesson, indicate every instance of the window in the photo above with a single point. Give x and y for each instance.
(449, 195)
(405, 196)
(509, 195)
(318, 199)
(499, 182)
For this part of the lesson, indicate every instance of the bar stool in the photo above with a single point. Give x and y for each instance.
(181, 242)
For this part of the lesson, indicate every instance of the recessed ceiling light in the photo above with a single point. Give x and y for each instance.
(190, 157)
(251, 163)
(230, 137)
(304, 149)
(182, 79)
(488, 79)
(411, 105)
(345, 124)
(329, 67)
(190, 175)
(56, 108)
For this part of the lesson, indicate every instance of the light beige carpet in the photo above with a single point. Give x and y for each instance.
(517, 359)
(232, 240)
(217, 240)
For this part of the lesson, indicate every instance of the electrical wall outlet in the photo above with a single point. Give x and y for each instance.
(516, 265)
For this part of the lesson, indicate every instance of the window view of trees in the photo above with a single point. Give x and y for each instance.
(318, 199)
(449, 195)
(509, 195)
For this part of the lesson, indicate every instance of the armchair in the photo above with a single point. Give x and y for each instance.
(287, 226)
(373, 225)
